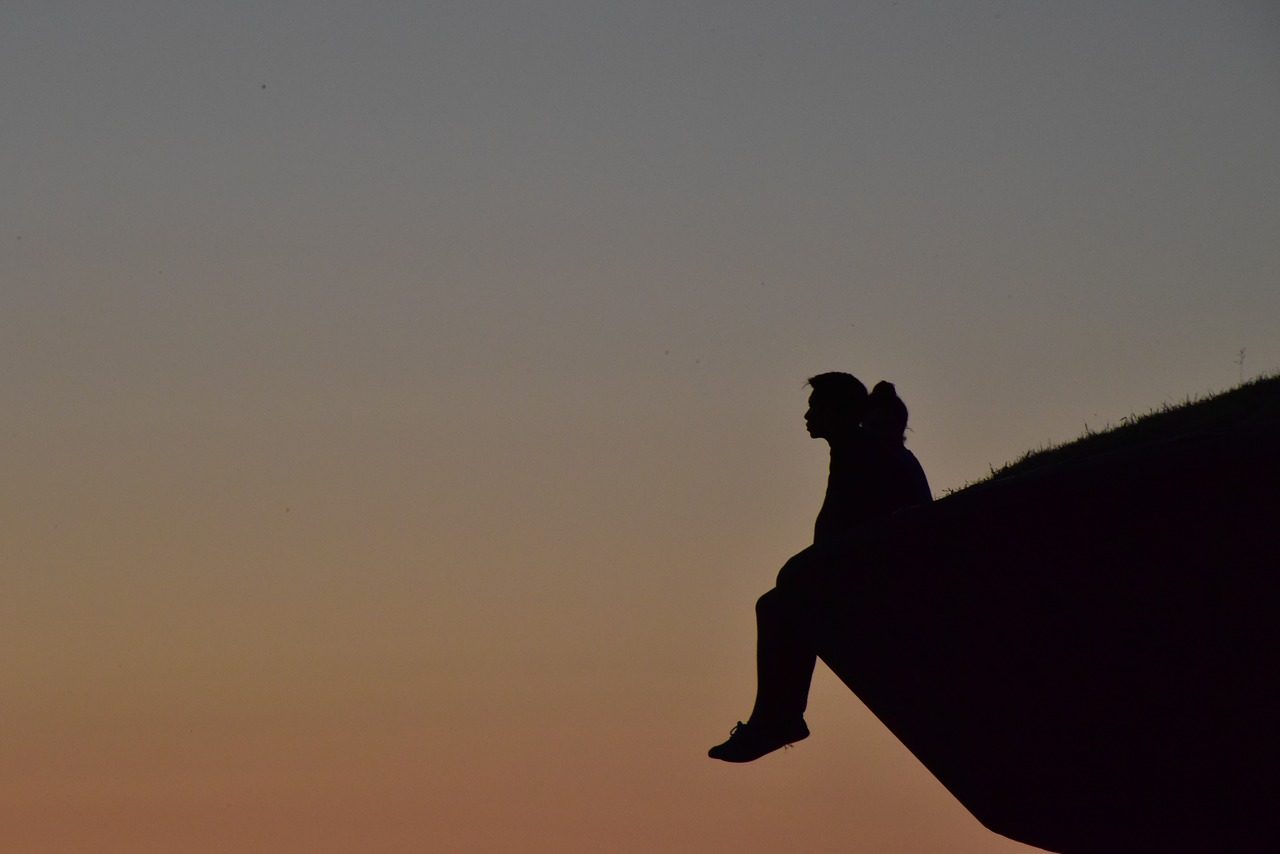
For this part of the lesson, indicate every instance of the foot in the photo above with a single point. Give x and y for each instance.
(751, 741)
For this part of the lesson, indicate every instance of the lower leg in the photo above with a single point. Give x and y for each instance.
(784, 663)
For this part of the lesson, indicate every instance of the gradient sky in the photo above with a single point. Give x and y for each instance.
(403, 400)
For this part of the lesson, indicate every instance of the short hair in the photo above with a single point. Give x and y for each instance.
(844, 393)
(889, 409)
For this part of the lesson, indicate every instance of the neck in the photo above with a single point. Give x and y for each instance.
(841, 438)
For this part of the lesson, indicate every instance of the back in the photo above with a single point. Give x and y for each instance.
(869, 479)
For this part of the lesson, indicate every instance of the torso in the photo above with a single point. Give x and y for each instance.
(868, 479)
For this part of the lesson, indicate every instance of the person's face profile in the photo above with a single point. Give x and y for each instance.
(817, 418)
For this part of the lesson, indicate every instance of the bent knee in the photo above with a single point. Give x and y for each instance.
(767, 602)
(797, 566)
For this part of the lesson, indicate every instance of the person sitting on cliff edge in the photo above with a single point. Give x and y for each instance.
(871, 476)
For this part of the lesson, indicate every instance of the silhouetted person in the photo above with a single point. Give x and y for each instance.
(871, 476)
(886, 419)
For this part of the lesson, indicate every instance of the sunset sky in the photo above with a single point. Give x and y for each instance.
(403, 400)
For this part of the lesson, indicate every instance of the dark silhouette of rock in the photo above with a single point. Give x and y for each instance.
(1084, 654)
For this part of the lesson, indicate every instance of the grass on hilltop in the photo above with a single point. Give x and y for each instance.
(1256, 402)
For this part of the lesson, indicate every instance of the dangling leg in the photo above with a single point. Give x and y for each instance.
(784, 669)
(784, 664)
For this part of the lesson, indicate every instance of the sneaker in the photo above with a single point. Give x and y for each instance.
(751, 741)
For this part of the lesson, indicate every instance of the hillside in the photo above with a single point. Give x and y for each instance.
(1254, 405)
(1083, 648)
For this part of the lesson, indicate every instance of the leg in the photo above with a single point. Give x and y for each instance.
(784, 668)
(785, 656)
(784, 664)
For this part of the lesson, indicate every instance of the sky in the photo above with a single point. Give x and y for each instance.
(403, 401)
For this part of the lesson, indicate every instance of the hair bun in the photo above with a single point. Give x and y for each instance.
(884, 389)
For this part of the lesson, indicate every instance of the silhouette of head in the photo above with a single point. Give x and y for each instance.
(886, 415)
(836, 405)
